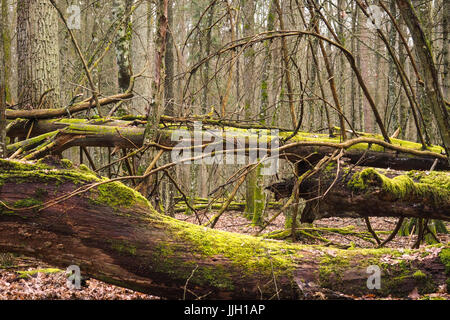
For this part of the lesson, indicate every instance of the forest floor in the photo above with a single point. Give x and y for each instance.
(27, 278)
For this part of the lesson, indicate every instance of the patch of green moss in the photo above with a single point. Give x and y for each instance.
(331, 269)
(123, 247)
(253, 255)
(26, 203)
(419, 275)
(403, 187)
(426, 297)
(435, 178)
(444, 255)
(66, 163)
(28, 172)
(116, 194)
(84, 168)
(16, 165)
(30, 273)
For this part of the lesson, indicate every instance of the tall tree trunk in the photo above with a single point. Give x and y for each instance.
(341, 71)
(38, 54)
(122, 41)
(5, 38)
(3, 82)
(445, 49)
(430, 76)
(404, 112)
(286, 73)
(254, 191)
(331, 75)
(156, 104)
(266, 66)
(353, 87)
(169, 64)
(391, 104)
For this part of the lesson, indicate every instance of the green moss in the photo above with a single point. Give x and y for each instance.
(66, 163)
(123, 247)
(28, 172)
(250, 254)
(30, 273)
(26, 203)
(330, 167)
(331, 269)
(444, 255)
(403, 187)
(84, 168)
(426, 297)
(419, 275)
(116, 194)
(16, 165)
(434, 178)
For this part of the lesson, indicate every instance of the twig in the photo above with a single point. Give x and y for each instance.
(369, 227)
(187, 280)
(394, 232)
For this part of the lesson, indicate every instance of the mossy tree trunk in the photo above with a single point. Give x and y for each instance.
(369, 192)
(126, 133)
(114, 235)
(3, 81)
(122, 42)
(254, 194)
(5, 47)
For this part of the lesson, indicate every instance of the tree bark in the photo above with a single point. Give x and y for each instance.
(366, 192)
(3, 78)
(38, 54)
(122, 41)
(169, 65)
(114, 235)
(313, 147)
(430, 76)
(5, 48)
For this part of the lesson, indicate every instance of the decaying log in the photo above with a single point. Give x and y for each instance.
(305, 149)
(114, 235)
(369, 192)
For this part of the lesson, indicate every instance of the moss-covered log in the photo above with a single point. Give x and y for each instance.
(114, 235)
(369, 192)
(369, 150)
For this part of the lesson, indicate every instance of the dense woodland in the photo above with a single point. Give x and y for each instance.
(348, 99)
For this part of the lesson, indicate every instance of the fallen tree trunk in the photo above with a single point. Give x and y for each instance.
(368, 192)
(305, 149)
(114, 235)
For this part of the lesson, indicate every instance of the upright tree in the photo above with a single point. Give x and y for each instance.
(3, 82)
(122, 41)
(5, 39)
(429, 72)
(38, 54)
